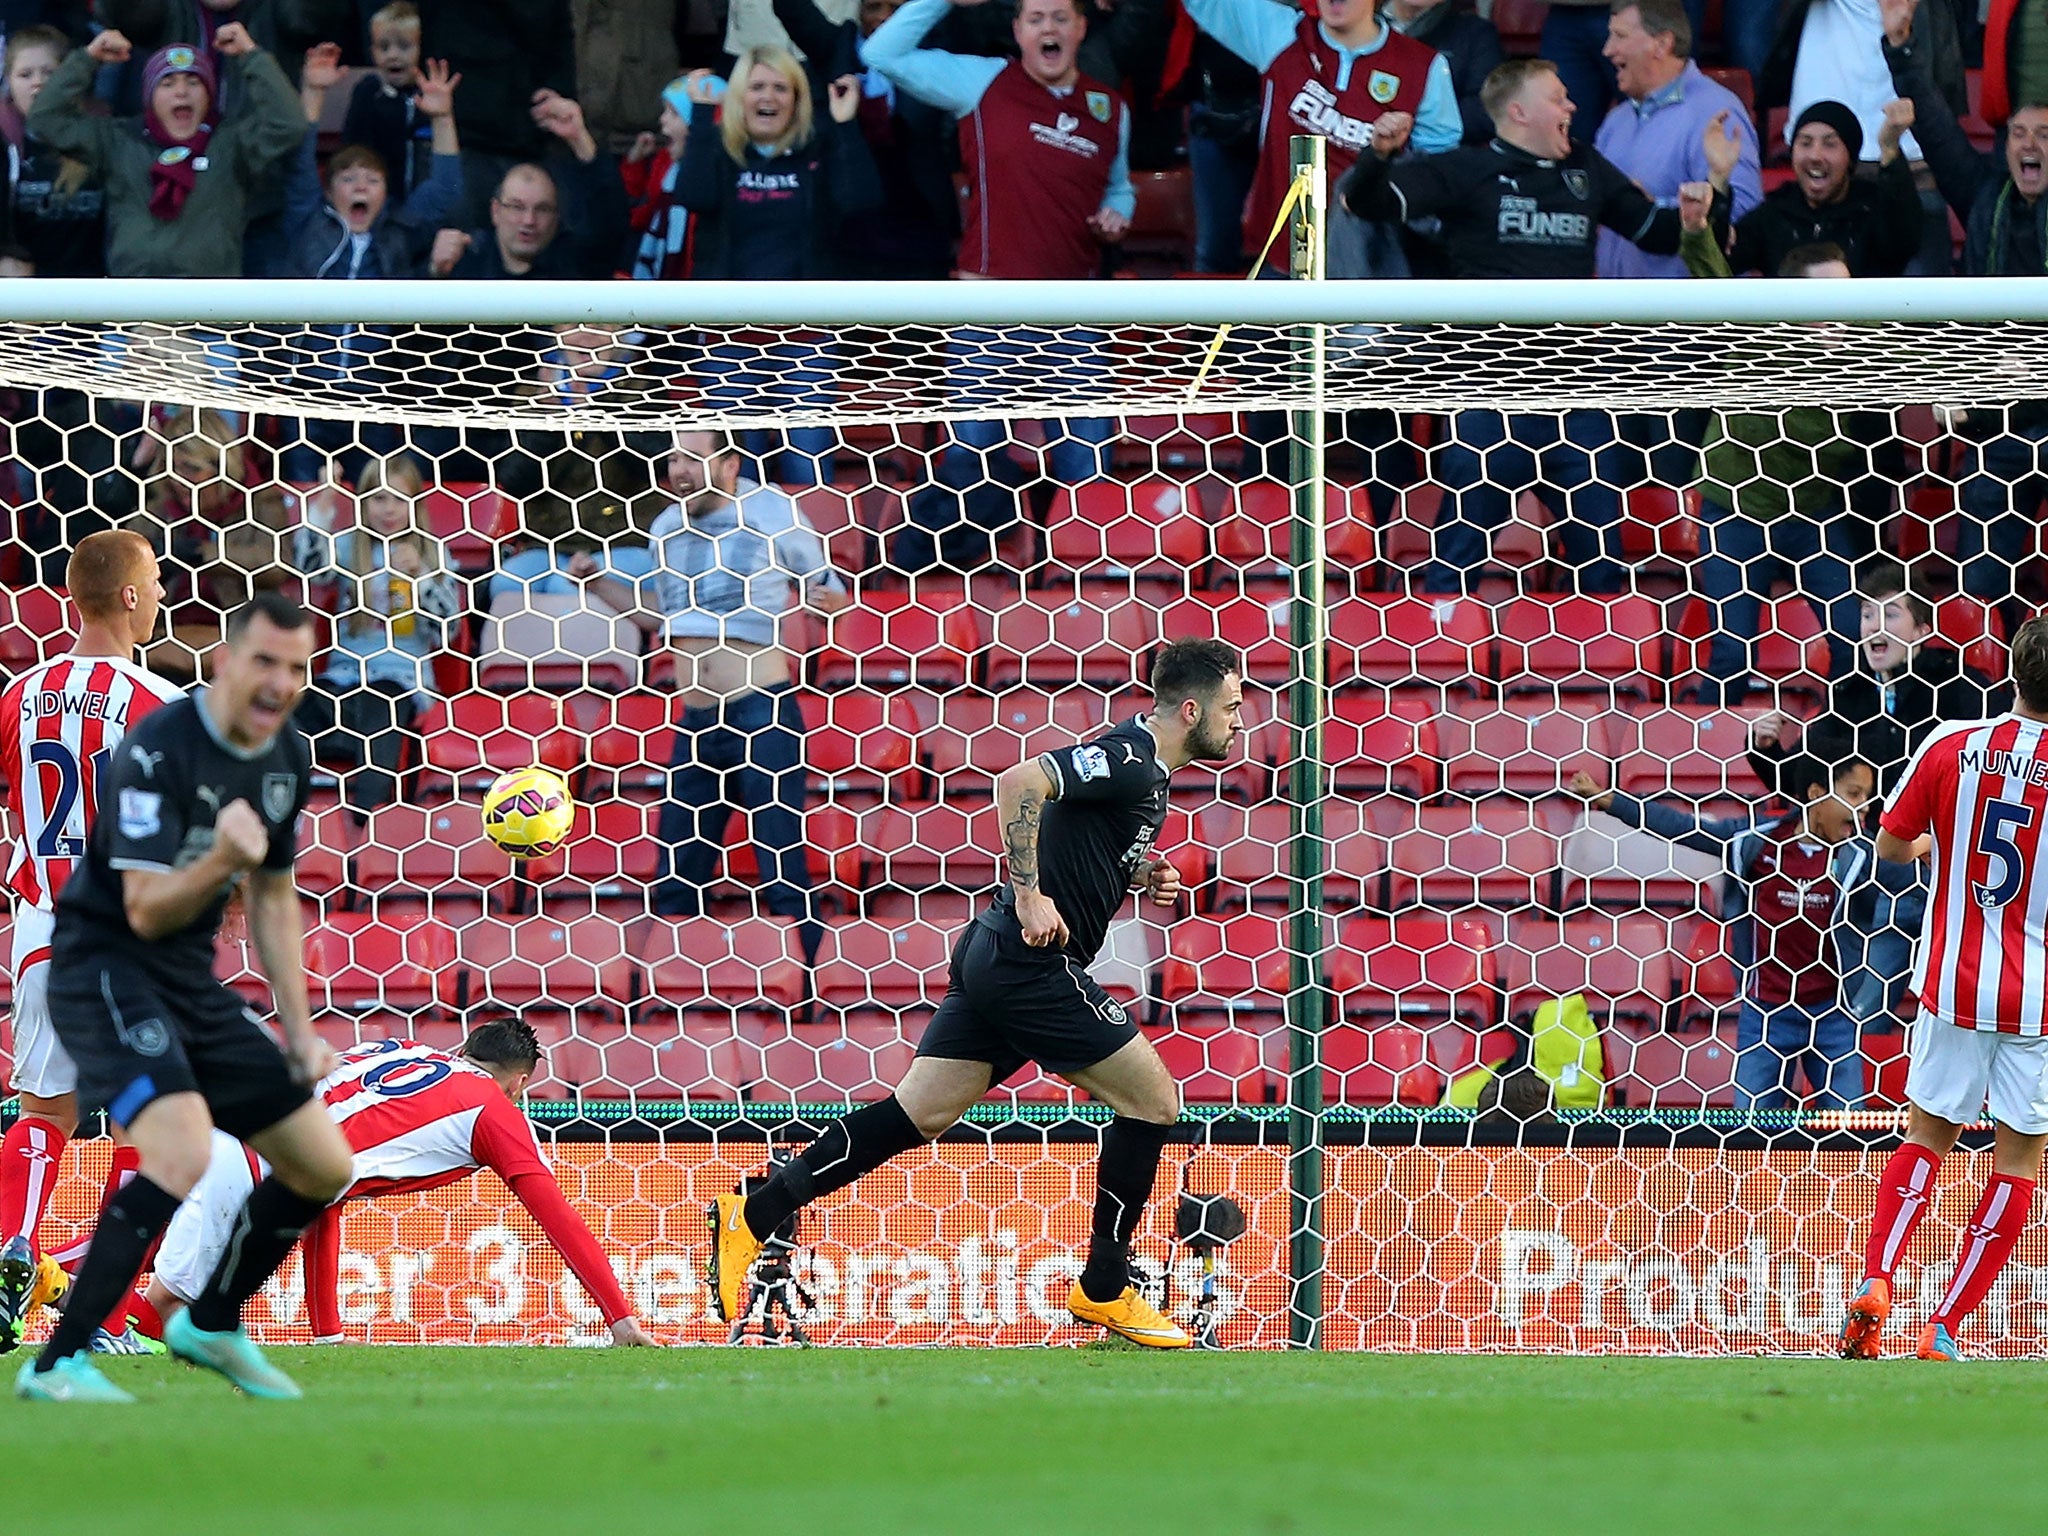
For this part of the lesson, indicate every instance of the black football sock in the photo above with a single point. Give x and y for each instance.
(264, 1231)
(857, 1144)
(1123, 1183)
(133, 1220)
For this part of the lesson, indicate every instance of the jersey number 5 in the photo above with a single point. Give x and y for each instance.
(55, 841)
(2002, 818)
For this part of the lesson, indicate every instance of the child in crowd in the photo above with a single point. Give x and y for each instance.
(385, 113)
(661, 225)
(387, 582)
(1791, 878)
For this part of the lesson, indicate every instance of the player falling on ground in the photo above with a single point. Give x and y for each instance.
(1975, 799)
(416, 1118)
(203, 798)
(60, 722)
(1020, 991)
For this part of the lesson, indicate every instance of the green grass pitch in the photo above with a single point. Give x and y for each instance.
(496, 1441)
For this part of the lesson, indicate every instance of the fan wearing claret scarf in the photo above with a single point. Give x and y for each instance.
(178, 178)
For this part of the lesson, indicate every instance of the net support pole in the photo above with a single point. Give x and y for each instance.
(1308, 995)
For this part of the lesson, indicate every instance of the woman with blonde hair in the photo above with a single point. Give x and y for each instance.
(769, 186)
(387, 583)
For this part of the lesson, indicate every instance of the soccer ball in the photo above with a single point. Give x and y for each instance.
(528, 812)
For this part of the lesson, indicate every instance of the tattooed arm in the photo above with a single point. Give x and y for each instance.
(1021, 795)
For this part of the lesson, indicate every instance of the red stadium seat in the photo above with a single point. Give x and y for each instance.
(865, 967)
(359, 961)
(1968, 625)
(1054, 640)
(832, 850)
(1622, 964)
(1659, 522)
(614, 850)
(971, 738)
(925, 635)
(1699, 752)
(1526, 747)
(1499, 853)
(1406, 642)
(631, 737)
(1252, 848)
(1375, 743)
(1220, 969)
(1254, 540)
(1215, 1066)
(1601, 645)
(1159, 443)
(860, 743)
(327, 839)
(706, 965)
(1791, 651)
(1417, 967)
(474, 737)
(541, 963)
(1385, 1064)
(1152, 530)
(416, 852)
(1709, 986)
(919, 846)
(35, 624)
(472, 521)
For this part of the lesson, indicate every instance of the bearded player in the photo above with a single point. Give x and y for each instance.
(1974, 798)
(1078, 829)
(415, 1118)
(60, 722)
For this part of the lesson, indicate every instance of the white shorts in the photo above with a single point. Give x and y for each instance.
(198, 1233)
(40, 1065)
(1954, 1071)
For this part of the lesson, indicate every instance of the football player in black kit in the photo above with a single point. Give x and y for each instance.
(203, 798)
(1078, 827)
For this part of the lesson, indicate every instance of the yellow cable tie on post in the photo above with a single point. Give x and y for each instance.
(1296, 191)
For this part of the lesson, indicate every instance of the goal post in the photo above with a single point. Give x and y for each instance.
(1384, 892)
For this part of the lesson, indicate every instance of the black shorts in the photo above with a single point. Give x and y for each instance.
(136, 1037)
(1007, 1003)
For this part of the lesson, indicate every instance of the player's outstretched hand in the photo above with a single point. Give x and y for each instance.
(628, 1334)
(1587, 788)
(240, 831)
(1040, 919)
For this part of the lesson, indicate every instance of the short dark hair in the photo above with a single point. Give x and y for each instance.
(272, 605)
(506, 1042)
(1506, 82)
(1802, 259)
(2030, 664)
(1883, 580)
(1803, 772)
(1661, 18)
(1191, 669)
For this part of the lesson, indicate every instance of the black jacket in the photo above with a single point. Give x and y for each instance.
(1876, 223)
(1507, 213)
(63, 229)
(1932, 19)
(505, 50)
(911, 232)
(1884, 723)
(834, 176)
(391, 123)
(593, 221)
(1471, 47)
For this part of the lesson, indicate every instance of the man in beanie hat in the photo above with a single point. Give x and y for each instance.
(1874, 220)
(178, 178)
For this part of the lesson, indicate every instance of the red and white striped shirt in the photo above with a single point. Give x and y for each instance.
(59, 721)
(1981, 788)
(417, 1118)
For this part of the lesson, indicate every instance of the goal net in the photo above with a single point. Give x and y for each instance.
(1496, 1091)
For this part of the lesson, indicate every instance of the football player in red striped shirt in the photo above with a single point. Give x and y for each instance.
(414, 1118)
(59, 722)
(1974, 800)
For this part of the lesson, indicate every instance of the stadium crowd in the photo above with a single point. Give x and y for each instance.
(1865, 562)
